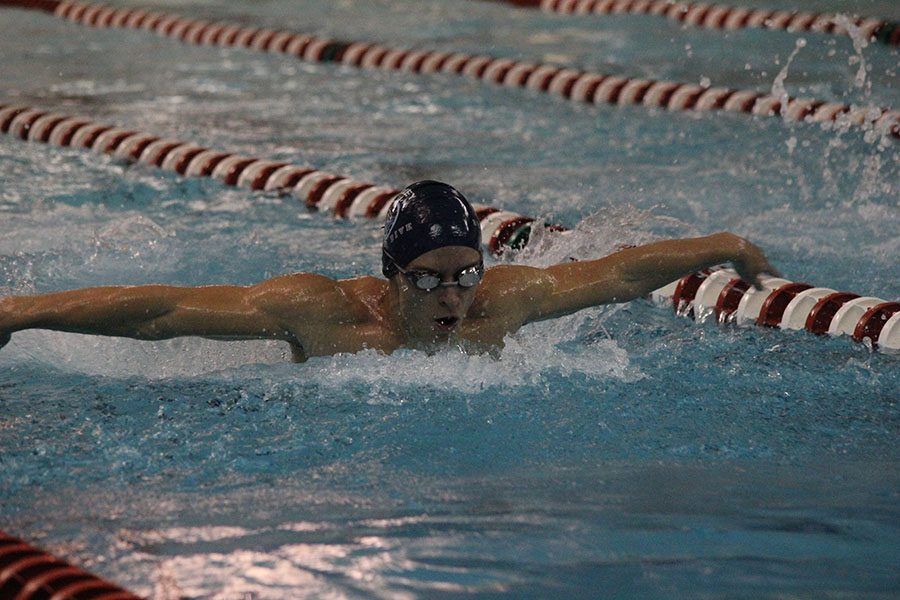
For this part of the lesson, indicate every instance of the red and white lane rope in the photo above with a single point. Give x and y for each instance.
(318, 190)
(718, 16)
(29, 573)
(787, 305)
(784, 304)
(573, 84)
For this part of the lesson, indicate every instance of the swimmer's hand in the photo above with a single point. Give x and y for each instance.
(749, 261)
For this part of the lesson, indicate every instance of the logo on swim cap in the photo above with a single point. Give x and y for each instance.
(424, 216)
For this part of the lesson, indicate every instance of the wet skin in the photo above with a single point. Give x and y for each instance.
(433, 316)
(318, 315)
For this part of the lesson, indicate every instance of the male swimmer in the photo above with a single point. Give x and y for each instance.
(437, 291)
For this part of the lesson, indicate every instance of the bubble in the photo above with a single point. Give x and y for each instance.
(791, 144)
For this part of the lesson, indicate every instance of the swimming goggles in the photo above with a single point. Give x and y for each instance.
(428, 280)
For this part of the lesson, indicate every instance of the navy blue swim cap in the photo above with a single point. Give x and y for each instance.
(425, 216)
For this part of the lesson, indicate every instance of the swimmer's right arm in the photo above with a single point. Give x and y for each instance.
(268, 310)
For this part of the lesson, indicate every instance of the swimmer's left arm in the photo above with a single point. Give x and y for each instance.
(635, 272)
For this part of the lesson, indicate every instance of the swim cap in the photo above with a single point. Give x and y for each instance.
(424, 216)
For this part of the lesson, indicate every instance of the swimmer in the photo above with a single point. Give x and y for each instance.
(437, 291)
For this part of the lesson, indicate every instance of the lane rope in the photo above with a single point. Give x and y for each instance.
(786, 305)
(573, 84)
(718, 16)
(322, 191)
(29, 573)
(782, 304)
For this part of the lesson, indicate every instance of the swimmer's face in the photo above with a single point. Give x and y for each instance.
(436, 314)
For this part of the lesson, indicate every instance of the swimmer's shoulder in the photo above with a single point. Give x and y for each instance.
(516, 277)
(311, 301)
(297, 284)
(300, 291)
(363, 284)
(316, 282)
(512, 289)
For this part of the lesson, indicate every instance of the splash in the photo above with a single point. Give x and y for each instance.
(880, 137)
(873, 169)
(539, 355)
(599, 234)
(119, 357)
(872, 180)
(860, 43)
(535, 357)
(778, 88)
(780, 91)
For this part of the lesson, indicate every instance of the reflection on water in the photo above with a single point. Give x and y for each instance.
(658, 531)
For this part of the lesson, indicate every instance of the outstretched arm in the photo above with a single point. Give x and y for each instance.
(635, 272)
(270, 310)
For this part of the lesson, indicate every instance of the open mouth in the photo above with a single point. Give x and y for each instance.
(448, 323)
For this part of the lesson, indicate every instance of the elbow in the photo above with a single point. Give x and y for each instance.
(151, 331)
(627, 293)
(631, 283)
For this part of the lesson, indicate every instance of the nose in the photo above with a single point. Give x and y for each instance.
(450, 297)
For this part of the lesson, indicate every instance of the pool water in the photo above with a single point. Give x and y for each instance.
(622, 452)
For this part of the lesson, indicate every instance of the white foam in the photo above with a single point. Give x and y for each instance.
(597, 235)
(121, 357)
(527, 359)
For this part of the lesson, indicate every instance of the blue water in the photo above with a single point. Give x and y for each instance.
(622, 452)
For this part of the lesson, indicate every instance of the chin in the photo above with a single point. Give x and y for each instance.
(437, 336)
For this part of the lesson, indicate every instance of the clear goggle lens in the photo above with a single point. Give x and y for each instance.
(428, 281)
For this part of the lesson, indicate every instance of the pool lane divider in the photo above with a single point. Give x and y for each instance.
(872, 319)
(784, 304)
(573, 84)
(318, 190)
(29, 573)
(718, 16)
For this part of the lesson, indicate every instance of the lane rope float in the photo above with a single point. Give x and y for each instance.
(29, 573)
(573, 84)
(318, 190)
(784, 304)
(718, 16)
(818, 310)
